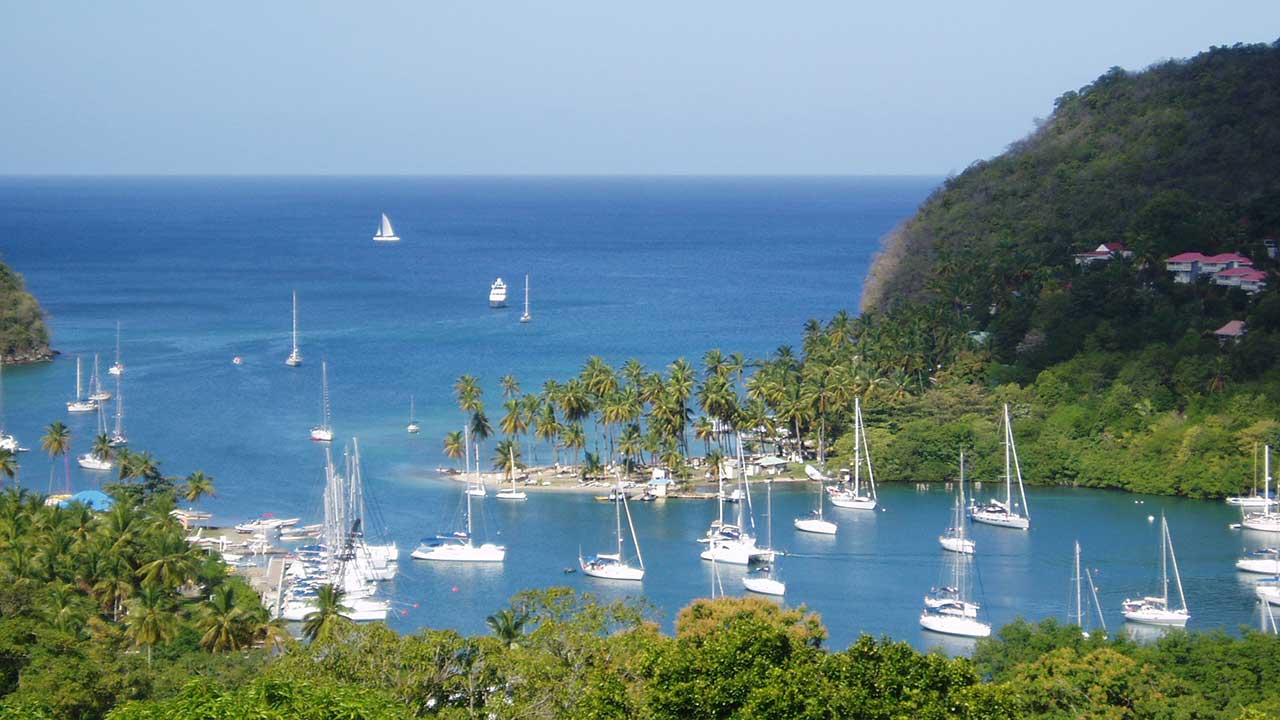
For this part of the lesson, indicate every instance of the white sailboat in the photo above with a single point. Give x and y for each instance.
(1263, 561)
(117, 367)
(956, 539)
(1253, 501)
(90, 460)
(526, 317)
(458, 546)
(814, 522)
(1267, 520)
(733, 543)
(949, 609)
(475, 484)
(118, 438)
(385, 233)
(1005, 513)
(81, 404)
(614, 566)
(1156, 610)
(97, 393)
(7, 441)
(413, 426)
(324, 431)
(1080, 609)
(498, 294)
(295, 357)
(513, 492)
(855, 498)
(762, 579)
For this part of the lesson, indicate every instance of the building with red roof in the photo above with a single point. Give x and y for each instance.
(1189, 267)
(1103, 253)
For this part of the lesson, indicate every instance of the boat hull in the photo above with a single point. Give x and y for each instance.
(512, 495)
(853, 503)
(816, 526)
(1259, 566)
(1268, 593)
(462, 553)
(1167, 618)
(1269, 523)
(732, 553)
(386, 238)
(322, 434)
(765, 586)
(955, 625)
(116, 369)
(964, 546)
(1256, 503)
(81, 406)
(1005, 520)
(89, 462)
(611, 571)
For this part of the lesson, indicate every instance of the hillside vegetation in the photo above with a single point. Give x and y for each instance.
(23, 335)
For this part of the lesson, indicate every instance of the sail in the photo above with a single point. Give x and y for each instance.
(385, 230)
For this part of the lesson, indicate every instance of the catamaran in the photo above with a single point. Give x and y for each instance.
(117, 367)
(1253, 500)
(96, 391)
(854, 498)
(526, 317)
(613, 566)
(1079, 612)
(498, 294)
(295, 357)
(385, 233)
(1267, 520)
(814, 522)
(118, 438)
(1005, 513)
(81, 404)
(762, 579)
(7, 441)
(513, 492)
(733, 543)
(955, 538)
(949, 609)
(413, 426)
(324, 431)
(458, 546)
(1155, 610)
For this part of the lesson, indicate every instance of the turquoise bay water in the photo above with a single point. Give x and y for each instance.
(200, 270)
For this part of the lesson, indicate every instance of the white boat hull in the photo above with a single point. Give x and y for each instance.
(116, 369)
(964, 546)
(853, 502)
(1253, 502)
(386, 238)
(765, 586)
(81, 406)
(320, 434)
(1006, 520)
(1263, 566)
(477, 492)
(611, 571)
(1151, 616)
(736, 553)
(1268, 593)
(512, 495)
(91, 462)
(359, 610)
(448, 552)
(955, 625)
(413, 428)
(1262, 523)
(817, 526)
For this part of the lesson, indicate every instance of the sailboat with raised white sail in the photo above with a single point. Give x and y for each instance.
(324, 431)
(1157, 610)
(413, 427)
(81, 404)
(856, 497)
(1006, 513)
(763, 579)
(295, 356)
(614, 566)
(1085, 607)
(955, 538)
(458, 546)
(1267, 520)
(118, 438)
(526, 317)
(385, 233)
(117, 367)
(513, 492)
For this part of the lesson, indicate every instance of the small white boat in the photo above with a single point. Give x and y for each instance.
(1263, 561)
(357, 609)
(1005, 513)
(1156, 610)
(949, 609)
(385, 233)
(951, 621)
(814, 522)
(458, 546)
(97, 393)
(413, 427)
(117, 367)
(81, 404)
(324, 431)
(295, 356)
(613, 566)
(1265, 521)
(498, 294)
(526, 317)
(513, 492)
(1268, 590)
(732, 543)
(89, 461)
(762, 579)
(955, 539)
(854, 497)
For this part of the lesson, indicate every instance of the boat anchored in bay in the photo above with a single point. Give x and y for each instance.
(1005, 513)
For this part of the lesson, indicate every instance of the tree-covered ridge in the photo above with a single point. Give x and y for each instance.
(1182, 156)
(23, 335)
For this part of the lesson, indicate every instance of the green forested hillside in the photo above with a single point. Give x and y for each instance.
(23, 335)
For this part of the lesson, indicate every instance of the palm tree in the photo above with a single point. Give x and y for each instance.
(198, 485)
(150, 620)
(510, 386)
(173, 564)
(574, 438)
(467, 389)
(327, 615)
(453, 444)
(592, 466)
(102, 447)
(8, 466)
(227, 627)
(508, 626)
(513, 421)
(57, 441)
(481, 430)
(506, 457)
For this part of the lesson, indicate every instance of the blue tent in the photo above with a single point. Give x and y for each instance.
(96, 501)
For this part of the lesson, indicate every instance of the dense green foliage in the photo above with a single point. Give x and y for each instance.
(23, 335)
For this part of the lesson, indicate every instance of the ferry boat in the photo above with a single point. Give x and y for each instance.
(498, 294)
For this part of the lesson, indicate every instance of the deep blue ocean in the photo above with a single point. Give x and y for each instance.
(199, 270)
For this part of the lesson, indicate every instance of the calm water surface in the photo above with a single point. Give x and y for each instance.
(200, 270)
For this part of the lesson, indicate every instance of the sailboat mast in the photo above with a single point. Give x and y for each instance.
(1177, 576)
(617, 515)
(1079, 598)
(119, 408)
(1266, 480)
(857, 446)
(117, 342)
(1008, 468)
(526, 293)
(79, 386)
(1164, 559)
(295, 321)
(1, 396)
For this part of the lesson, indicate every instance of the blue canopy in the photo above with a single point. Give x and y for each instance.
(97, 501)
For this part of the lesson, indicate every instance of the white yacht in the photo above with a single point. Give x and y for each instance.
(385, 233)
(1267, 520)
(734, 543)
(458, 546)
(1156, 610)
(498, 294)
(513, 492)
(762, 579)
(81, 404)
(97, 393)
(854, 496)
(949, 609)
(814, 522)
(526, 317)
(1005, 513)
(956, 539)
(1263, 561)
(117, 367)
(413, 427)
(91, 460)
(1253, 501)
(295, 357)
(324, 431)
(614, 566)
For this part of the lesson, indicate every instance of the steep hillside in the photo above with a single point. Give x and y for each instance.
(23, 334)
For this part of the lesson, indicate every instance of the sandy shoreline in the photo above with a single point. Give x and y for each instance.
(566, 480)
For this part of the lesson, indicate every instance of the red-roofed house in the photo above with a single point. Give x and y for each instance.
(1232, 331)
(1185, 267)
(1189, 266)
(1225, 261)
(1245, 278)
(1103, 253)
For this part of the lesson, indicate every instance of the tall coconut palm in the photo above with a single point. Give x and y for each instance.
(574, 438)
(8, 466)
(506, 457)
(467, 390)
(510, 386)
(508, 626)
(197, 486)
(227, 627)
(513, 422)
(453, 444)
(57, 442)
(327, 615)
(150, 621)
(102, 447)
(481, 430)
(173, 562)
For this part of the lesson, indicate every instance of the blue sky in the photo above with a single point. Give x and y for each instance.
(563, 86)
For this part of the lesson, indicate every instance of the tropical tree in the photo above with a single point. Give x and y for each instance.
(510, 386)
(467, 390)
(150, 621)
(102, 447)
(574, 438)
(506, 457)
(227, 627)
(198, 485)
(513, 422)
(327, 615)
(8, 466)
(454, 444)
(57, 442)
(508, 626)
